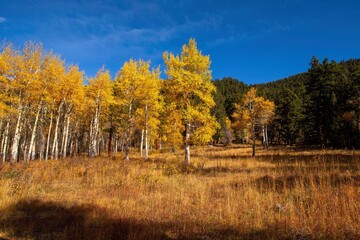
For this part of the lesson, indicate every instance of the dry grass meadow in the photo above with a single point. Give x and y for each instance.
(282, 193)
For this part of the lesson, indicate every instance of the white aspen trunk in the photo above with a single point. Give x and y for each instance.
(187, 144)
(63, 136)
(142, 143)
(1, 134)
(5, 141)
(128, 137)
(94, 137)
(25, 146)
(66, 136)
(48, 138)
(42, 147)
(253, 138)
(55, 147)
(146, 144)
(116, 145)
(33, 134)
(91, 135)
(266, 135)
(146, 132)
(16, 139)
(33, 153)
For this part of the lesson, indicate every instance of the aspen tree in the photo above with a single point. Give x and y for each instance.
(190, 89)
(58, 103)
(5, 97)
(100, 95)
(74, 98)
(127, 91)
(252, 113)
(150, 105)
(27, 69)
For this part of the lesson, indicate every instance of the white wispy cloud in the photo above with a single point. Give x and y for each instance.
(2, 20)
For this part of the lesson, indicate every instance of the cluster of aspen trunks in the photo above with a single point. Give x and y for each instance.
(49, 110)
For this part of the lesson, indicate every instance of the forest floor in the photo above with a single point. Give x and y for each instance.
(283, 193)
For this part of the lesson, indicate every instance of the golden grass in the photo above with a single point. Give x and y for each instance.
(281, 194)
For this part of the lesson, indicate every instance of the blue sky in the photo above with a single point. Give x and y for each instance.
(253, 41)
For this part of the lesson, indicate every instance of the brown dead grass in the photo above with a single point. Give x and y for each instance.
(281, 194)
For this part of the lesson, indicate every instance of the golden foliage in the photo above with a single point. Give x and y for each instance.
(189, 91)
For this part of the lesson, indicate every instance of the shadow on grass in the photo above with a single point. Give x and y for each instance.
(49, 220)
(35, 219)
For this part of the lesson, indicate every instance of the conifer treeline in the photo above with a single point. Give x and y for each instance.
(320, 107)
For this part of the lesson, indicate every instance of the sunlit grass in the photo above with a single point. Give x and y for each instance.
(225, 194)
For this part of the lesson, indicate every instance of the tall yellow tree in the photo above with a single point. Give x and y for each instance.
(190, 89)
(27, 67)
(7, 56)
(137, 92)
(150, 105)
(252, 115)
(74, 98)
(100, 96)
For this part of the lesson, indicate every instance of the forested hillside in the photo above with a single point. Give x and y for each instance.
(319, 107)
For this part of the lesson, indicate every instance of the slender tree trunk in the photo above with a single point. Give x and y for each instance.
(266, 136)
(94, 134)
(48, 138)
(142, 143)
(146, 132)
(253, 138)
(116, 145)
(128, 137)
(66, 135)
(111, 133)
(1, 135)
(33, 134)
(4, 142)
(25, 145)
(146, 144)
(63, 136)
(55, 147)
(173, 137)
(187, 144)
(91, 135)
(42, 146)
(16, 139)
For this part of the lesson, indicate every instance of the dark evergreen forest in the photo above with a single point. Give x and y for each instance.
(320, 107)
